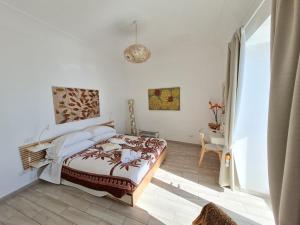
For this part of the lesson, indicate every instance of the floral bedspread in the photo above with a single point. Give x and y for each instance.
(104, 171)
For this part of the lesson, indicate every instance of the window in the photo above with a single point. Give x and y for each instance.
(250, 135)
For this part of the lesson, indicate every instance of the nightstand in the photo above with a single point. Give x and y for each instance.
(40, 147)
(40, 163)
(152, 134)
(34, 155)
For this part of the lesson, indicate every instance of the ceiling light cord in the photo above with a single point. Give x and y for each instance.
(136, 31)
(136, 53)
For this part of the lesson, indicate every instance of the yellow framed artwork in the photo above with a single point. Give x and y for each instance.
(164, 98)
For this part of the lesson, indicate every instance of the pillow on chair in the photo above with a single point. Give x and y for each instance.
(212, 215)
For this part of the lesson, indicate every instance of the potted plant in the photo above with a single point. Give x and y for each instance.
(216, 108)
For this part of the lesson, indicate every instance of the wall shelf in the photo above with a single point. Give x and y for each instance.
(41, 163)
(39, 147)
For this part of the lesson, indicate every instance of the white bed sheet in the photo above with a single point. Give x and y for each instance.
(52, 172)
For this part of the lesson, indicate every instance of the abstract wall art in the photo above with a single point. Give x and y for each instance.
(72, 104)
(164, 98)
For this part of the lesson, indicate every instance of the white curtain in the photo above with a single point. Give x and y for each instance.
(227, 174)
(284, 112)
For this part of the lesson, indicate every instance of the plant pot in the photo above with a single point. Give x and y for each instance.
(214, 126)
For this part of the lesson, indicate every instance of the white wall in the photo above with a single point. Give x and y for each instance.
(250, 137)
(34, 57)
(198, 68)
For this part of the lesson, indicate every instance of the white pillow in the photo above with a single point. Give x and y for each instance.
(99, 130)
(67, 140)
(109, 146)
(74, 137)
(117, 141)
(71, 149)
(103, 137)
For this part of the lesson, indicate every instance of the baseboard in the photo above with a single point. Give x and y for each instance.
(256, 193)
(12, 194)
(185, 143)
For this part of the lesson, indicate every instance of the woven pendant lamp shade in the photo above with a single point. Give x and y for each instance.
(136, 53)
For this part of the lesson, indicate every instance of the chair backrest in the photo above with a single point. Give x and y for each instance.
(202, 136)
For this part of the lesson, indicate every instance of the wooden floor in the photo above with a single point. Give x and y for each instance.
(175, 196)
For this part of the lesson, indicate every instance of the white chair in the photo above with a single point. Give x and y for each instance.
(218, 149)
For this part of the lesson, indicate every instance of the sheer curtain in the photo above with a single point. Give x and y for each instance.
(284, 112)
(231, 87)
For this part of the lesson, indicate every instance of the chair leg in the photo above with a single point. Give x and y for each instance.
(201, 156)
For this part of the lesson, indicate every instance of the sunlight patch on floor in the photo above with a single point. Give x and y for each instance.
(175, 200)
(185, 184)
(168, 207)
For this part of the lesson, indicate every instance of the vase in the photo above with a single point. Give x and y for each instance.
(214, 126)
(133, 129)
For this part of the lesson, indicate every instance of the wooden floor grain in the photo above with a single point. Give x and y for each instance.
(175, 196)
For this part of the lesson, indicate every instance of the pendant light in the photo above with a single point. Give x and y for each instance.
(136, 53)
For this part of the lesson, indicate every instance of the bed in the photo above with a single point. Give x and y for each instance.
(103, 173)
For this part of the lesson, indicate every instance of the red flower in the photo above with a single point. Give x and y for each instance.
(157, 92)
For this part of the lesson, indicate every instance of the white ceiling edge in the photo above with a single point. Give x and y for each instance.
(40, 21)
(105, 25)
(262, 34)
(259, 16)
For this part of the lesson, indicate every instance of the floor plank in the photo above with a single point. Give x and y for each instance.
(11, 216)
(78, 217)
(175, 196)
(24, 206)
(106, 214)
(45, 217)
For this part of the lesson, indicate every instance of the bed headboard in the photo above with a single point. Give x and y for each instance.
(28, 157)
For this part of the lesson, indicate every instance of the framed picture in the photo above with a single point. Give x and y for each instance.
(164, 98)
(72, 104)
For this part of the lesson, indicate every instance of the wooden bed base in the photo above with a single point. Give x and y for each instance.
(132, 198)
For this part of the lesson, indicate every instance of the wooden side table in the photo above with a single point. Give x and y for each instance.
(216, 145)
(153, 134)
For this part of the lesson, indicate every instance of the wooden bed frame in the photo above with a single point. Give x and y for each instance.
(129, 198)
(132, 198)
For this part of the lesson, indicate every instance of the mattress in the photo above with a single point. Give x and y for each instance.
(104, 171)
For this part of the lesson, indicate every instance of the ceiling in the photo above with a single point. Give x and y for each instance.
(106, 23)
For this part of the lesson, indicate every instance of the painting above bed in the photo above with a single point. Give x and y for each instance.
(164, 98)
(72, 104)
